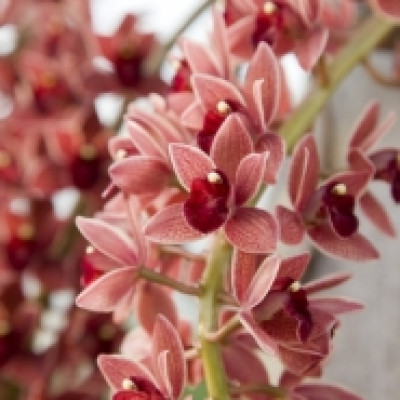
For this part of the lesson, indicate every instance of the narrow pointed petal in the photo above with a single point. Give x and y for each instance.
(116, 368)
(166, 338)
(108, 240)
(294, 267)
(252, 231)
(355, 247)
(150, 301)
(132, 174)
(336, 305)
(296, 362)
(304, 172)
(189, 163)
(264, 66)
(178, 102)
(242, 272)
(262, 281)
(359, 161)
(377, 214)
(210, 90)
(169, 226)
(249, 176)
(104, 294)
(198, 58)
(275, 145)
(390, 8)
(266, 343)
(221, 43)
(309, 50)
(327, 282)
(291, 226)
(230, 145)
(143, 141)
(326, 392)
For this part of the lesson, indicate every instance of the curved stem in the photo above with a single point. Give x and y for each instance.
(156, 277)
(210, 352)
(365, 39)
(379, 77)
(155, 64)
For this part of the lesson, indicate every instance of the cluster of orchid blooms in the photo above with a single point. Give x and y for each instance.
(192, 164)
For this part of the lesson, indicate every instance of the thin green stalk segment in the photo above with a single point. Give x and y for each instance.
(365, 39)
(214, 370)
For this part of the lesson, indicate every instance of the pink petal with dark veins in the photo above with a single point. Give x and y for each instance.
(166, 338)
(108, 240)
(293, 267)
(252, 231)
(355, 247)
(170, 226)
(243, 269)
(291, 226)
(261, 282)
(327, 392)
(116, 368)
(249, 176)
(198, 57)
(221, 44)
(327, 282)
(210, 90)
(230, 145)
(335, 305)
(189, 163)
(264, 66)
(132, 174)
(304, 172)
(104, 294)
(150, 301)
(356, 182)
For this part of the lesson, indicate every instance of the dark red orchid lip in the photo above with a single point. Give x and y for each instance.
(207, 207)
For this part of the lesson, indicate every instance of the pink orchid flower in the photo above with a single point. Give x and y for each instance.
(285, 25)
(381, 164)
(117, 288)
(219, 186)
(325, 212)
(283, 316)
(163, 377)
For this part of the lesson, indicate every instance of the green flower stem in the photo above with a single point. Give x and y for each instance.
(224, 332)
(156, 277)
(210, 351)
(364, 40)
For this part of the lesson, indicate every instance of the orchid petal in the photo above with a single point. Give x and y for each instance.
(326, 392)
(355, 247)
(166, 338)
(242, 272)
(309, 49)
(335, 305)
(108, 240)
(304, 172)
(294, 267)
(104, 294)
(291, 226)
(252, 231)
(170, 226)
(198, 58)
(132, 174)
(327, 282)
(390, 8)
(249, 176)
(189, 163)
(116, 369)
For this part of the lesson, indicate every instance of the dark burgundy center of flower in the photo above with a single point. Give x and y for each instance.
(8, 169)
(212, 122)
(268, 23)
(340, 206)
(142, 389)
(128, 66)
(207, 207)
(85, 168)
(181, 80)
(390, 173)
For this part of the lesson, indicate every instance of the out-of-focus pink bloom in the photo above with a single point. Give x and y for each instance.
(219, 186)
(325, 212)
(162, 377)
(285, 25)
